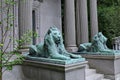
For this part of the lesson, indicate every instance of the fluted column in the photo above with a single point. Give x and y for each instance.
(25, 18)
(69, 25)
(93, 17)
(82, 21)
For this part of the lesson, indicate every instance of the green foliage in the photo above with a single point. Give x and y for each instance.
(109, 17)
(26, 38)
(9, 58)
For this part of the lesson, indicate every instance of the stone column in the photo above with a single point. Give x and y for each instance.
(0, 39)
(82, 21)
(25, 18)
(69, 25)
(93, 17)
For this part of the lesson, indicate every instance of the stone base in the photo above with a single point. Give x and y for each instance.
(72, 49)
(109, 65)
(34, 70)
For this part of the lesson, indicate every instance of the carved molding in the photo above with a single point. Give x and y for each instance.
(36, 4)
(39, 0)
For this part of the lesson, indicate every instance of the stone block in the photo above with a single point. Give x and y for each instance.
(35, 70)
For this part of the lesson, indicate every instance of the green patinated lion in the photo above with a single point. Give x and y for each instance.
(52, 47)
(98, 44)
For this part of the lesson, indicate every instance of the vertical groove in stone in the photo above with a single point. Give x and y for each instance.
(69, 18)
(77, 23)
(16, 30)
(93, 17)
(38, 23)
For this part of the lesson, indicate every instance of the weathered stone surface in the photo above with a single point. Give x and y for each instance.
(49, 15)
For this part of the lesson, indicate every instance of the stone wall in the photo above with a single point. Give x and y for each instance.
(47, 13)
(50, 14)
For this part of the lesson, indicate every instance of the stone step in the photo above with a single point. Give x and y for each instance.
(87, 66)
(90, 72)
(95, 77)
(92, 75)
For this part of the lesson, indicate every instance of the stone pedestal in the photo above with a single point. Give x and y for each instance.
(34, 70)
(109, 65)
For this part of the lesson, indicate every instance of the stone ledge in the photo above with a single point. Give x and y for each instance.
(54, 61)
(101, 56)
(59, 67)
(98, 55)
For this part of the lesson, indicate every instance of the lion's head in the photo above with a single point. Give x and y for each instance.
(54, 35)
(100, 37)
(99, 42)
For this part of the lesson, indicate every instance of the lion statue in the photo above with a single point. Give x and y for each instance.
(98, 44)
(52, 47)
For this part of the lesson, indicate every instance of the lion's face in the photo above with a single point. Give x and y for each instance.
(100, 37)
(56, 36)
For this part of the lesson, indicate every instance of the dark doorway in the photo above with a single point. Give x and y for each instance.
(33, 27)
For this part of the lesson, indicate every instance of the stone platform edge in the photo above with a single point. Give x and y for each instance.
(59, 67)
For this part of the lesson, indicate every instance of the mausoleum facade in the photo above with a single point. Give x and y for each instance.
(72, 20)
(40, 15)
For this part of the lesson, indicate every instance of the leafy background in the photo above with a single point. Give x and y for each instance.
(109, 19)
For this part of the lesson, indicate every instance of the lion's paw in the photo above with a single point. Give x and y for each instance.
(58, 56)
(75, 56)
